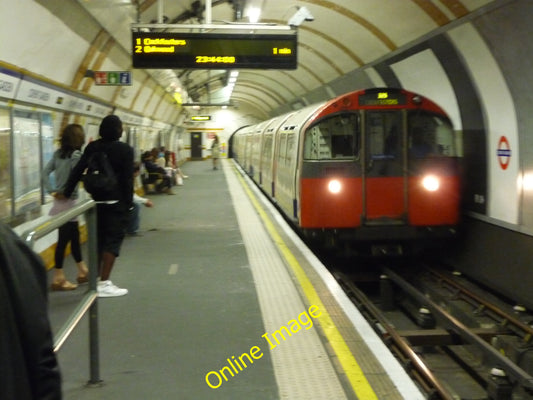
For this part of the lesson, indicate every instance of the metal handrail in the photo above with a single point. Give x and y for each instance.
(88, 302)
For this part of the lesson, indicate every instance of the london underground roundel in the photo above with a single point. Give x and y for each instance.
(504, 152)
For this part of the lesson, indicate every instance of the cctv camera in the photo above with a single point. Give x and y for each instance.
(303, 14)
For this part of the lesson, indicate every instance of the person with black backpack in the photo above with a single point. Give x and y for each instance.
(108, 167)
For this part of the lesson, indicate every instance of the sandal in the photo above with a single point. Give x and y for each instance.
(63, 286)
(83, 279)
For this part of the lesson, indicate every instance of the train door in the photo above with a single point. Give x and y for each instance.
(384, 183)
(196, 146)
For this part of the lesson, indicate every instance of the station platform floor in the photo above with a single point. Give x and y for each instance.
(224, 302)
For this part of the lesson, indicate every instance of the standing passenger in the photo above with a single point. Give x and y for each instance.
(113, 217)
(215, 151)
(62, 162)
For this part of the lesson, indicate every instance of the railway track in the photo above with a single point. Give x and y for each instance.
(457, 340)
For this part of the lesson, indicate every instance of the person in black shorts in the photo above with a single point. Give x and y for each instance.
(113, 217)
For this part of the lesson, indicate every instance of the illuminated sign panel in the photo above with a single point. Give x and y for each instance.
(213, 50)
(201, 118)
(382, 98)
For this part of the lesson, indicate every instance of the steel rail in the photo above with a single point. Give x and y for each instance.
(511, 369)
(422, 373)
(528, 330)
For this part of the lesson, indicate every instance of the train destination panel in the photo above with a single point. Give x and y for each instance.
(382, 98)
(214, 50)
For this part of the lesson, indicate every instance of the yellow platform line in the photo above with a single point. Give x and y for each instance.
(355, 375)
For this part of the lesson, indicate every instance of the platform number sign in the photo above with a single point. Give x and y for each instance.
(504, 152)
(112, 78)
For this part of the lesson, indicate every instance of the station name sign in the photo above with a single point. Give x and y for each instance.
(214, 50)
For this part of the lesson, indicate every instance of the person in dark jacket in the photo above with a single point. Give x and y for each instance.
(28, 365)
(153, 168)
(113, 216)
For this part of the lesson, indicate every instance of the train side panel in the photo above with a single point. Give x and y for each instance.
(268, 151)
(286, 164)
(256, 143)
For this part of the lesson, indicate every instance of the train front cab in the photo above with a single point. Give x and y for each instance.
(388, 177)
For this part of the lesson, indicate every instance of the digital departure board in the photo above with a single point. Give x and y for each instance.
(214, 50)
(382, 98)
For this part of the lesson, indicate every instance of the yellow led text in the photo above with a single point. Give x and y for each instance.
(284, 51)
(159, 45)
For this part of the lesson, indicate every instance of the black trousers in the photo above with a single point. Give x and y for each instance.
(68, 233)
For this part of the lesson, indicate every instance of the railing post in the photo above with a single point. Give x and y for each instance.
(94, 344)
(89, 302)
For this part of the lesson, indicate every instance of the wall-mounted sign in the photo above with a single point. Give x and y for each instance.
(201, 118)
(112, 78)
(504, 152)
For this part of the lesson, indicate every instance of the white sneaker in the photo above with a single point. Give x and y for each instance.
(108, 289)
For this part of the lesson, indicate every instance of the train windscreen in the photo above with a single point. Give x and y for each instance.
(333, 138)
(430, 135)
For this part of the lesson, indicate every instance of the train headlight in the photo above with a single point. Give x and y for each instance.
(431, 183)
(334, 186)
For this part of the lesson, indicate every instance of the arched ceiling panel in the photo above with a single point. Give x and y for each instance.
(343, 36)
(267, 96)
(255, 101)
(334, 42)
(274, 81)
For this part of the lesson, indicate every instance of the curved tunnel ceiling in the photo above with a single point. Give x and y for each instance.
(345, 35)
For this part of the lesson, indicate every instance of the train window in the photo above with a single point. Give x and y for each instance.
(5, 164)
(267, 150)
(47, 138)
(333, 138)
(290, 148)
(47, 146)
(383, 133)
(430, 135)
(26, 137)
(282, 148)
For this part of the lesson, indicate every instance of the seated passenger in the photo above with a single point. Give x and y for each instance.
(152, 168)
(159, 156)
(175, 171)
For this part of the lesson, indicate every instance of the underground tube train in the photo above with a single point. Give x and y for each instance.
(373, 171)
